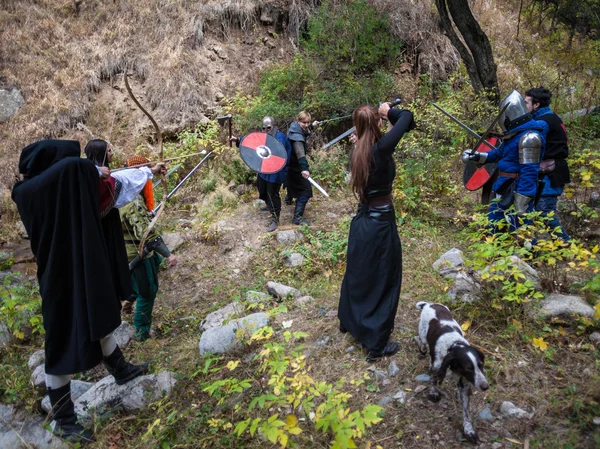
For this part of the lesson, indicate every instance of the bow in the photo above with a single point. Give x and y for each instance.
(160, 207)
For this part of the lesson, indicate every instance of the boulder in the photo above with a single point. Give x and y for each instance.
(106, 396)
(449, 262)
(216, 318)
(282, 291)
(10, 102)
(221, 339)
(303, 300)
(252, 296)
(174, 240)
(123, 334)
(464, 288)
(6, 336)
(510, 410)
(38, 378)
(289, 236)
(21, 431)
(36, 359)
(294, 260)
(556, 305)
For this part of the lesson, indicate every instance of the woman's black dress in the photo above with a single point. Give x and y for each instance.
(371, 285)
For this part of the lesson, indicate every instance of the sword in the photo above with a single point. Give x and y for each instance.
(465, 127)
(334, 119)
(321, 189)
(178, 186)
(338, 138)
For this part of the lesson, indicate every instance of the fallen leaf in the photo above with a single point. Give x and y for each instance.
(420, 388)
(597, 311)
(287, 324)
(513, 441)
(540, 343)
(466, 325)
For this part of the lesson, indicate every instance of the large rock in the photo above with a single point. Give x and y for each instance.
(219, 340)
(289, 236)
(294, 260)
(282, 291)
(36, 359)
(510, 410)
(78, 389)
(556, 305)
(123, 334)
(449, 263)
(21, 431)
(174, 240)
(465, 288)
(216, 318)
(106, 396)
(6, 336)
(10, 102)
(38, 378)
(252, 296)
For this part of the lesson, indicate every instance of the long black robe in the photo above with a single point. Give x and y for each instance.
(371, 286)
(59, 205)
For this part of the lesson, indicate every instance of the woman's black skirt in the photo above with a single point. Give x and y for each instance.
(371, 286)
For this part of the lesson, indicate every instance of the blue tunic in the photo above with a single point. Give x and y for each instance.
(507, 157)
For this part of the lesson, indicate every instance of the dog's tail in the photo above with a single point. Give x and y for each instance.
(422, 304)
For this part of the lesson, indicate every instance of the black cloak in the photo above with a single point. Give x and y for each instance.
(58, 201)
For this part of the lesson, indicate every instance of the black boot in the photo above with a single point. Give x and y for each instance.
(122, 370)
(288, 201)
(390, 349)
(274, 221)
(63, 412)
(298, 214)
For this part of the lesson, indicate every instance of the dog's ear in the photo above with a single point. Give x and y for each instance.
(480, 355)
(450, 357)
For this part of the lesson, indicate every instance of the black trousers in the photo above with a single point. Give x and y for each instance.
(269, 193)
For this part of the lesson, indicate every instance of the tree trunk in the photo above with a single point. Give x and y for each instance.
(477, 54)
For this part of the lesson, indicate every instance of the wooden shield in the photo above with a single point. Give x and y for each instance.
(475, 177)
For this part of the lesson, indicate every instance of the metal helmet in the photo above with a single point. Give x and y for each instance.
(267, 124)
(516, 112)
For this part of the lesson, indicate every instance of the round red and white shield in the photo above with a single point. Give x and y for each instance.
(263, 153)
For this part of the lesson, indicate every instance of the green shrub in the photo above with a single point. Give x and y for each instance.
(350, 37)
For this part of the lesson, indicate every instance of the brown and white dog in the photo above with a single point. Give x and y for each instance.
(448, 348)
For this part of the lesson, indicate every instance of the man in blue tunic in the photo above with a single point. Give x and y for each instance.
(518, 161)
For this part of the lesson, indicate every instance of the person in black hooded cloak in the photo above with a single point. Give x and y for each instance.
(371, 286)
(59, 203)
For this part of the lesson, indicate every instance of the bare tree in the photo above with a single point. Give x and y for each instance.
(474, 47)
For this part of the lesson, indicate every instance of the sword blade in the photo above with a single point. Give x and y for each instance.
(462, 125)
(178, 186)
(338, 138)
(487, 131)
(321, 189)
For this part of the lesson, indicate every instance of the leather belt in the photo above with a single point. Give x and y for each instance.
(380, 201)
(509, 175)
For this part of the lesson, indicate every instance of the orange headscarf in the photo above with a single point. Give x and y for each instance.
(147, 191)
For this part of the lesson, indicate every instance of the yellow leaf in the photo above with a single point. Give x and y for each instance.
(540, 343)
(513, 441)
(466, 325)
(233, 365)
(569, 195)
(595, 249)
(597, 311)
(562, 331)
(291, 420)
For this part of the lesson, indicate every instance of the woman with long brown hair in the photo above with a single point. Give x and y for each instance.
(371, 285)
